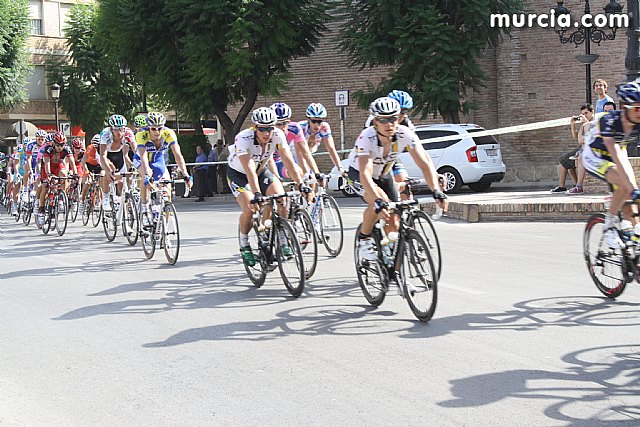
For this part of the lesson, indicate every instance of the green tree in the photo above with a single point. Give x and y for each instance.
(202, 56)
(92, 84)
(432, 47)
(14, 59)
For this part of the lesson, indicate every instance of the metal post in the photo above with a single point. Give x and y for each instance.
(632, 60)
(21, 130)
(57, 120)
(144, 96)
(343, 114)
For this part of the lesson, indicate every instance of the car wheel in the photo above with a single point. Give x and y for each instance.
(480, 187)
(453, 181)
(348, 191)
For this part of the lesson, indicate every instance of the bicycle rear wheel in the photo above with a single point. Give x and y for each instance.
(606, 266)
(331, 228)
(291, 266)
(372, 275)
(61, 212)
(418, 276)
(130, 220)
(420, 221)
(303, 227)
(258, 272)
(170, 233)
(147, 234)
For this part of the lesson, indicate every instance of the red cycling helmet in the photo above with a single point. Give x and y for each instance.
(76, 143)
(59, 138)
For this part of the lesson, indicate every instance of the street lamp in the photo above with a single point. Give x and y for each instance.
(587, 34)
(55, 94)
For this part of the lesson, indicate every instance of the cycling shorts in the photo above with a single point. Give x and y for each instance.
(385, 182)
(238, 182)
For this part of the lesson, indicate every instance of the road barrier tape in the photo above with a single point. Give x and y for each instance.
(500, 131)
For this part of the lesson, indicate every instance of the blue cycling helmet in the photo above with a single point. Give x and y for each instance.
(405, 100)
(316, 111)
(629, 93)
(282, 110)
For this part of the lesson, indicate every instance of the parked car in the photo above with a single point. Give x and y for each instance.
(468, 160)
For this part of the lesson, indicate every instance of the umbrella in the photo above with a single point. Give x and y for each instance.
(28, 130)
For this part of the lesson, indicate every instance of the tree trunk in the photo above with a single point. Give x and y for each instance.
(451, 116)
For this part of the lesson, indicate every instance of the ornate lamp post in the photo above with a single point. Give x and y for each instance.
(55, 94)
(586, 35)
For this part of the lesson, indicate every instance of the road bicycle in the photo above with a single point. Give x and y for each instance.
(56, 209)
(123, 212)
(275, 245)
(92, 203)
(303, 226)
(404, 259)
(327, 221)
(160, 223)
(611, 268)
(73, 195)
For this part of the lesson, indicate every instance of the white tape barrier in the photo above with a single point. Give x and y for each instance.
(500, 131)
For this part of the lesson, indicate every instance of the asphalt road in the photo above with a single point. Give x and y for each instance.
(92, 333)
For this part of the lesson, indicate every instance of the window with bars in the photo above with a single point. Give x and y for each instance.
(35, 13)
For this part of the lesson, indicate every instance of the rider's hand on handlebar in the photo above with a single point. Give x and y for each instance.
(635, 195)
(257, 198)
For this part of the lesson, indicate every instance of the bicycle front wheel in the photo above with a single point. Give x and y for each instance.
(418, 276)
(372, 275)
(96, 211)
(606, 266)
(26, 214)
(74, 204)
(147, 234)
(289, 257)
(420, 221)
(258, 272)
(303, 227)
(61, 212)
(331, 228)
(170, 233)
(130, 220)
(110, 222)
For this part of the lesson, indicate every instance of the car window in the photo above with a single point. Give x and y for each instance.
(436, 133)
(482, 140)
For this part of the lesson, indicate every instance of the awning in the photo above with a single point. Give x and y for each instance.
(75, 130)
(28, 130)
(191, 131)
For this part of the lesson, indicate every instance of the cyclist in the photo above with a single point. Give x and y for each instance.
(55, 159)
(250, 172)
(91, 163)
(152, 141)
(139, 121)
(296, 140)
(316, 131)
(115, 140)
(605, 155)
(370, 163)
(16, 163)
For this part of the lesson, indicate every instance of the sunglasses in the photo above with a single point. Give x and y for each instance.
(634, 108)
(404, 111)
(386, 120)
(156, 129)
(316, 121)
(59, 144)
(284, 123)
(265, 128)
(118, 129)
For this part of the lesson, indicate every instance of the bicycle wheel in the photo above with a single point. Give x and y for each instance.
(26, 214)
(420, 221)
(86, 210)
(61, 212)
(48, 217)
(606, 266)
(110, 221)
(19, 209)
(147, 234)
(417, 275)
(331, 228)
(372, 276)
(291, 266)
(303, 226)
(170, 233)
(96, 211)
(257, 240)
(130, 220)
(74, 204)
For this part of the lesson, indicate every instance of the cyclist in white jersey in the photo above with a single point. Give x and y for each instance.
(250, 172)
(114, 148)
(371, 161)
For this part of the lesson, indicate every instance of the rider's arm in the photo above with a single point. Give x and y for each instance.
(144, 162)
(292, 168)
(249, 167)
(125, 153)
(72, 164)
(620, 158)
(47, 165)
(304, 154)
(424, 162)
(104, 161)
(177, 154)
(331, 148)
(365, 163)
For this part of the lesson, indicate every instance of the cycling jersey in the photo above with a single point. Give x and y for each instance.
(55, 157)
(93, 157)
(155, 154)
(106, 138)
(246, 142)
(368, 144)
(315, 138)
(610, 126)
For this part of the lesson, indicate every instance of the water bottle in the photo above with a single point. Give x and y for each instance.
(627, 229)
(636, 233)
(156, 212)
(386, 251)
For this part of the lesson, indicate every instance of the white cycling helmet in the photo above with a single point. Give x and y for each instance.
(384, 107)
(316, 111)
(264, 116)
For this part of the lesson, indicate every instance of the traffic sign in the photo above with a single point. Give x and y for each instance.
(342, 98)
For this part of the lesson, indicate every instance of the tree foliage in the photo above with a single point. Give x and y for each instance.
(431, 46)
(202, 56)
(14, 59)
(92, 85)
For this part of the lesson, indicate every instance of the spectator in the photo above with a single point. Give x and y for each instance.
(600, 87)
(212, 171)
(567, 162)
(200, 174)
(223, 154)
